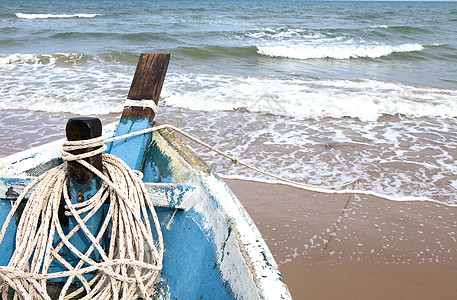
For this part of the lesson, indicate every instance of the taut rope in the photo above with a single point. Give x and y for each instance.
(234, 159)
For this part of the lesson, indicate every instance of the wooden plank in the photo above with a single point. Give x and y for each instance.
(171, 195)
(149, 77)
(175, 196)
(147, 85)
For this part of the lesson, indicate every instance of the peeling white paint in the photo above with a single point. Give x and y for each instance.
(246, 263)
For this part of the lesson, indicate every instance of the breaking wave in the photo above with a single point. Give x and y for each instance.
(50, 78)
(336, 51)
(307, 98)
(52, 16)
(41, 59)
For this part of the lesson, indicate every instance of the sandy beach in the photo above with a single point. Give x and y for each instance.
(372, 249)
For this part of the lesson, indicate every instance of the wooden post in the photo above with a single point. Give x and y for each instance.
(83, 128)
(146, 85)
(83, 184)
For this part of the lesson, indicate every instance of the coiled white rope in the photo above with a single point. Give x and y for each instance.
(127, 269)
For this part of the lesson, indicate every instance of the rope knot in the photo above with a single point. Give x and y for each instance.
(98, 143)
(235, 160)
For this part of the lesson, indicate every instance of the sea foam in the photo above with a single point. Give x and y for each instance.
(61, 82)
(338, 51)
(301, 98)
(396, 158)
(53, 16)
(38, 59)
(309, 98)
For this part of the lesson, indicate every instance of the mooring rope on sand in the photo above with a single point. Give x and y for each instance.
(128, 270)
(130, 267)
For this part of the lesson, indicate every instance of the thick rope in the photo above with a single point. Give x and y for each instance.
(127, 269)
(143, 104)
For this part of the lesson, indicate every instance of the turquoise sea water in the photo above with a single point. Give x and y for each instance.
(320, 92)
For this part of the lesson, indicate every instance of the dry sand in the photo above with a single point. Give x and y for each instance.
(372, 249)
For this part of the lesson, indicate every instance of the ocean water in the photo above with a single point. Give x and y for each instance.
(318, 92)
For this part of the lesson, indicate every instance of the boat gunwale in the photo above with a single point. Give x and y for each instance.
(256, 254)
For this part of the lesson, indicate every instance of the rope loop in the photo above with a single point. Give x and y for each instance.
(98, 143)
(144, 103)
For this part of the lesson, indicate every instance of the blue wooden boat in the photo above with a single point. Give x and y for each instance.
(212, 248)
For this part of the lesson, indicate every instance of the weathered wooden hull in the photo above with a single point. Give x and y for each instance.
(212, 247)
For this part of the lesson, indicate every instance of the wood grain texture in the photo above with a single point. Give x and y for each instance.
(147, 83)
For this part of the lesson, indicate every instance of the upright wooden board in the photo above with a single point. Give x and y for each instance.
(149, 77)
(146, 85)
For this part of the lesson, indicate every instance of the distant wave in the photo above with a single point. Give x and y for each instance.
(402, 29)
(41, 59)
(136, 36)
(213, 51)
(336, 51)
(408, 29)
(69, 58)
(52, 16)
(379, 26)
(284, 33)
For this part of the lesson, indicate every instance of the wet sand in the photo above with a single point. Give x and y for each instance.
(372, 249)
(23, 130)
